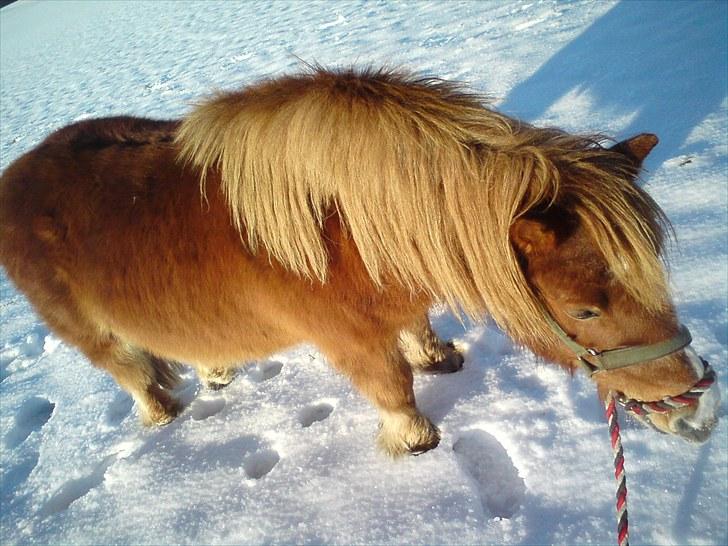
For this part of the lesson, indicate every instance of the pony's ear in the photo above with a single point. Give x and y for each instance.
(532, 236)
(637, 147)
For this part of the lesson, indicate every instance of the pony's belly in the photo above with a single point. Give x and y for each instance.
(206, 341)
(200, 313)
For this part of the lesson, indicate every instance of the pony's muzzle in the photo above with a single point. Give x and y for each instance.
(696, 423)
(697, 426)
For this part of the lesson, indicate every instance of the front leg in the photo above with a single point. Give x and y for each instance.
(385, 378)
(425, 352)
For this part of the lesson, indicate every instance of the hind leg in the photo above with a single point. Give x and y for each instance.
(426, 352)
(385, 378)
(148, 379)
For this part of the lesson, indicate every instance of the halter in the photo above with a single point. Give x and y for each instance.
(594, 361)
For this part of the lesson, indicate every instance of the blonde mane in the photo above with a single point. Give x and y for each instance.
(426, 179)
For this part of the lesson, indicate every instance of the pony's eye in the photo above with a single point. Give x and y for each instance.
(584, 314)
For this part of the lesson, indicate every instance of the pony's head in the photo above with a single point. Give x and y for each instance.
(639, 351)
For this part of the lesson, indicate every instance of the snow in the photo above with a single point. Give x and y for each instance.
(286, 453)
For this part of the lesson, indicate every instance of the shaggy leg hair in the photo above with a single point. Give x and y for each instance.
(425, 352)
(146, 378)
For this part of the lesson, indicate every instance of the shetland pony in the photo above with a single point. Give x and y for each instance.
(335, 207)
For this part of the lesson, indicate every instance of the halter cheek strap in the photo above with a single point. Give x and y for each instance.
(593, 361)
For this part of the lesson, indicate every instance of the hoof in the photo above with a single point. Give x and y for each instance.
(451, 363)
(402, 434)
(216, 386)
(162, 420)
(159, 408)
(161, 415)
(218, 378)
(424, 448)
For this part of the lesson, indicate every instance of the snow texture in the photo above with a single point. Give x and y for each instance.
(286, 453)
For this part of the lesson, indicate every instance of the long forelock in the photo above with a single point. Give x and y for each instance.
(426, 179)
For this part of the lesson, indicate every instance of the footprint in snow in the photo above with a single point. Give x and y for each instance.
(33, 414)
(261, 463)
(500, 488)
(74, 489)
(119, 409)
(32, 345)
(314, 413)
(263, 371)
(17, 475)
(204, 408)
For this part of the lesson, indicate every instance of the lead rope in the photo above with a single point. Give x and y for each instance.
(619, 474)
(689, 398)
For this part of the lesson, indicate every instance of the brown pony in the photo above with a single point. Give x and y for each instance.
(335, 208)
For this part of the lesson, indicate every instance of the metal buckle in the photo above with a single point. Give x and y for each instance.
(587, 366)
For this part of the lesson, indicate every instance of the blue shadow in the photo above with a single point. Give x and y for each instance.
(667, 61)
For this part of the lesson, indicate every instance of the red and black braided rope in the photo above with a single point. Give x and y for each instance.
(619, 473)
(689, 398)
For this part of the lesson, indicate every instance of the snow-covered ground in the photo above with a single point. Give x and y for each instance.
(286, 453)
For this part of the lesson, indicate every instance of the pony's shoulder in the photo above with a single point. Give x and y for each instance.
(120, 130)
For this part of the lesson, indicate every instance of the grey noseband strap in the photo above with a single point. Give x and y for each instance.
(594, 361)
